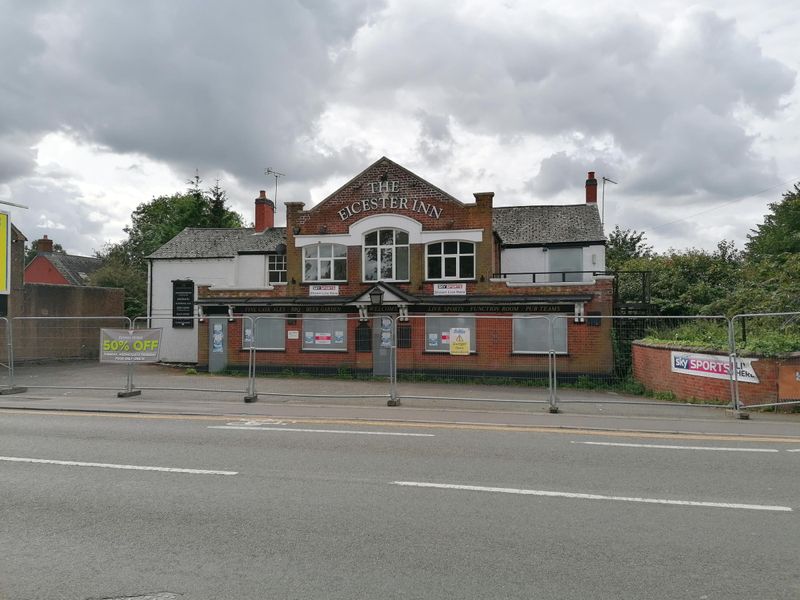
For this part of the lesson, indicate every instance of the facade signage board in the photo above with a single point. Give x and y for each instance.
(389, 308)
(459, 341)
(129, 345)
(714, 366)
(323, 290)
(183, 303)
(5, 249)
(449, 289)
(387, 196)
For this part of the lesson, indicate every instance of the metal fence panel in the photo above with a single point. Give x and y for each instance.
(217, 363)
(64, 353)
(505, 362)
(322, 356)
(643, 360)
(767, 350)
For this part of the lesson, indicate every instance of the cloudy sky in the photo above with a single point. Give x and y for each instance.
(694, 109)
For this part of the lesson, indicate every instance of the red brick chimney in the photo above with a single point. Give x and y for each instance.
(44, 245)
(591, 189)
(265, 212)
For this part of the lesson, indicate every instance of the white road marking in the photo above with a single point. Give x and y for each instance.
(258, 422)
(74, 463)
(794, 450)
(500, 490)
(354, 432)
(667, 447)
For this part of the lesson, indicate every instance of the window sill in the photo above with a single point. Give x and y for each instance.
(537, 353)
(447, 352)
(324, 350)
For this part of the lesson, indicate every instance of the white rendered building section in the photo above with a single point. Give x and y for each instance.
(180, 344)
(537, 260)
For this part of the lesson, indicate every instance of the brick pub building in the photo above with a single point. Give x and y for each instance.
(390, 244)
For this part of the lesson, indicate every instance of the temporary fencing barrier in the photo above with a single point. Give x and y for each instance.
(750, 361)
(642, 359)
(492, 351)
(355, 354)
(766, 348)
(222, 366)
(42, 352)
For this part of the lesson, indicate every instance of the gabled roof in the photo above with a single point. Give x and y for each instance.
(75, 269)
(538, 225)
(384, 163)
(195, 242)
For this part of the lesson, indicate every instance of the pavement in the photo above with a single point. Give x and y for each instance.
(91, 387)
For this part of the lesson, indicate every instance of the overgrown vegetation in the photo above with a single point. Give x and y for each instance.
(153, 224)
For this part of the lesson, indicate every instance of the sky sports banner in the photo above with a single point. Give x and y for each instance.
(713, 365)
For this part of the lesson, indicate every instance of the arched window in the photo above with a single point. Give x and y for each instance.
(325, 262)
(450, 260)
(386, 255)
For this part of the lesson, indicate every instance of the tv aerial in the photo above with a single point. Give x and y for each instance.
(274, 173)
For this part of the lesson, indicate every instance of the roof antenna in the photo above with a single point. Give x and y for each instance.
(603, 198)
(271, 171)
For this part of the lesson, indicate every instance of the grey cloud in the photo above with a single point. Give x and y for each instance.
(623, 78)
(562, 171)
(196, 84)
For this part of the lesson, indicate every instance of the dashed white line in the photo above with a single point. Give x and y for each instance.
(74, 463)
(550, 494)
(794, 450)
(669, 447)
(296, 430)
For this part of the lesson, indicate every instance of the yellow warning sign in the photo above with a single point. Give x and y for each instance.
(459, 341)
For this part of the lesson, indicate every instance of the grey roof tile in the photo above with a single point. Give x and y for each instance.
(195, 242)
(547, 224)
(75, 269)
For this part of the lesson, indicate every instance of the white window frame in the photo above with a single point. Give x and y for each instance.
(565, 318)
(270, 270)
(324, 317)
(457, 255)
(267, 317)
(394, 246)
(318, 259)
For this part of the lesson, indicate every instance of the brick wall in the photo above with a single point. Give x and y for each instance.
(652, 368)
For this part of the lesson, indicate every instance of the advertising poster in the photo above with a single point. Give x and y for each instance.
(714, 366)
(129, 345)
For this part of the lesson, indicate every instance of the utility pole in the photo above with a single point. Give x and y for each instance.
(271, 171)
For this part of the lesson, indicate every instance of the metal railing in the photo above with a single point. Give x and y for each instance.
(552, 360)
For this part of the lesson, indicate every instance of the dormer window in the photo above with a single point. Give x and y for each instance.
(386, 254)
(325, 262)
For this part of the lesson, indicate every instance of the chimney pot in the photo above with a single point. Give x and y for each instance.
(44, 244)
(591, 189)
(265, 212)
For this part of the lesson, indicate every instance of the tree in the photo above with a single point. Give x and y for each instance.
(153, 224)
(623, 245)
(780, 231)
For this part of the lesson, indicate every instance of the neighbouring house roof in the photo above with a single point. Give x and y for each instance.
(533, 225)
(195, 242)
(514, 225)
(75, 269)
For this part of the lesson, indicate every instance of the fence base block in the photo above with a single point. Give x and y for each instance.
(393, 402)
(554, 410)
(13, 390)
(251, 399)
(743, 415)
(128, 394)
